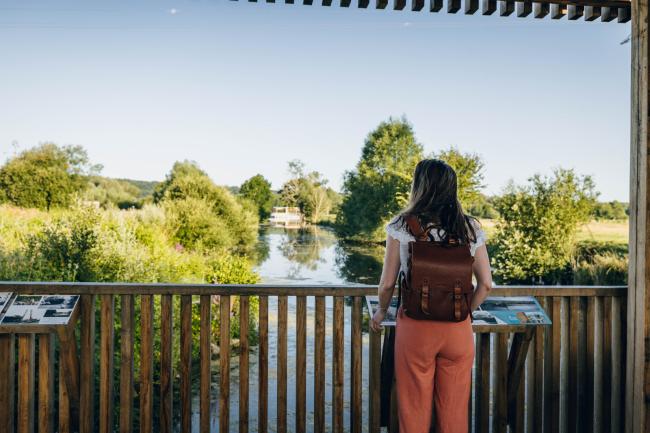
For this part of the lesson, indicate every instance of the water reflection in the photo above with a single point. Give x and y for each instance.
(314, 255)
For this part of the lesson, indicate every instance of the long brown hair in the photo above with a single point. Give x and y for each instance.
(434, 200)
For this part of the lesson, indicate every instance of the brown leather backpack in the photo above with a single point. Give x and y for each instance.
(438, 282)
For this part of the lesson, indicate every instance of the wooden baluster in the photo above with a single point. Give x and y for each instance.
(107, 326)
(356, 362)
(26, 383)
(146, 363)
(126, 363)
(166, 372)
(537, 422)
(69, 362)
(46, 383)
(552, 424)
(301, 364)
(319, 365)
(548, 366)
(576, 395)
(87, 364)
(607, 365)
(243, 363)
(531, 399)
(500, 419)
(205, 354)
(565, 326)
(617, 363)
(281, 390)
(597, 391)
(64, 403)
(482, 414)
(337, 367)
(374, 380)
(263, 365)
(186, 363)
(224, 363)
(7, 382)
(588, 414)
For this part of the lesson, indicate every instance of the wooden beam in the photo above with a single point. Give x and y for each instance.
(524, 9)
(592, 13)
(398, 5)
(489, 7)
(540, 10)
(557, 11)
(417, 5)
(575, 12)
(624, 15)
(381, 4)
(506, 7)
(637, 389)
(435, 5)
(471, 6)
(453, 6)
(608, 14)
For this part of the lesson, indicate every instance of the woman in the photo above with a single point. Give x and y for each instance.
(433, 360)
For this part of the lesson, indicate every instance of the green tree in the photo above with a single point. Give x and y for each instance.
(221, 214)
(46, 176)
(307, 191)
(469, 174)
(535, 233)
(611, 210)
(258, 190)
(379, 185)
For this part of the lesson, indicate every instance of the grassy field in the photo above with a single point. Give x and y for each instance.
(604, 231)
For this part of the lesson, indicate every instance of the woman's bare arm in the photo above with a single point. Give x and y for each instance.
(387, 282)
(389, 272)
(483, 274)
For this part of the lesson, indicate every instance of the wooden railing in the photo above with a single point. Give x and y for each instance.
(574, 373)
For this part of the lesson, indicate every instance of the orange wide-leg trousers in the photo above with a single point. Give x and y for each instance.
(433, 365)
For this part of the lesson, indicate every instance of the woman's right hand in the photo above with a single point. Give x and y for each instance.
(377, 318)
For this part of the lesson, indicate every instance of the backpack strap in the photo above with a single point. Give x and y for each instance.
(416, 228)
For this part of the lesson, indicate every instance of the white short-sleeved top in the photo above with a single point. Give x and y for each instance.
(404, 237)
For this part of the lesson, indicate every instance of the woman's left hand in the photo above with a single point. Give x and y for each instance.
(377, 318)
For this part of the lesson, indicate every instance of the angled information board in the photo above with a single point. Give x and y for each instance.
(496, 311)
(36, 313)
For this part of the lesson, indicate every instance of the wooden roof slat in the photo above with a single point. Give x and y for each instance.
(524, 9)
(575, 12)
(557, 11)
(607, 14)
(592, 13)
(624, 15)
(506, 7)
(417, 5)
(453, 6)
(540, 10)
(471, 6)
(607, 10)
(489, 7)
(435, 5)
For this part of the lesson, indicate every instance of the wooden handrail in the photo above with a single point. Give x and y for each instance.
(67, 288)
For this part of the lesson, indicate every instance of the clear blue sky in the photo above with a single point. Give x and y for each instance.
(244, 87)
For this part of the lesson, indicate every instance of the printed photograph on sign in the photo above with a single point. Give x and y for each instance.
(56, 317)
(27, 300)
(19, 314)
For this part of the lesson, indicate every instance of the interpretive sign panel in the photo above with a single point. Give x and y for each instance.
(38, 309)
(495, 310)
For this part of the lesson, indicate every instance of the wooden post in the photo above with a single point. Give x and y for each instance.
(637, 387)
